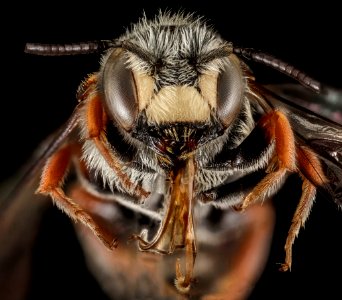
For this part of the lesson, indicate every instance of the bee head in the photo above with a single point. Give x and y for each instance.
(173, 84)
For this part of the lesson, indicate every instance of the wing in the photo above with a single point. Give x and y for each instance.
(21, 211)
(327, 104)
(321, 134)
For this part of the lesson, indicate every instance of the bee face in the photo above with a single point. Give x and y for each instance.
(181, 93)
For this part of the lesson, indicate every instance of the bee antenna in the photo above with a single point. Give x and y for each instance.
(68, 49)
(279, 65)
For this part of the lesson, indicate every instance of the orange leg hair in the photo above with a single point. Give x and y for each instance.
(313, 176)
(289, 158)
(51, 182)
(278, 129)
(96, 120)
(86, 87)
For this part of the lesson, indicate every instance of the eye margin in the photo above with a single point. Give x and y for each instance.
(230, 91)
(118, 86)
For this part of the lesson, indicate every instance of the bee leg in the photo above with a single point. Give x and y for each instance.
(51, 182)
(278, 129)
(102, 211)
(313, 176)
(86, 87)
(96, 120)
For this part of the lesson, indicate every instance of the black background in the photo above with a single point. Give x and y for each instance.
(38, 95)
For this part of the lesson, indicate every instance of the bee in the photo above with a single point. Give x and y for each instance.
(173, 142)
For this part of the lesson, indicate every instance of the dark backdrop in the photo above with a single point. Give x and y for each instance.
(38, 94)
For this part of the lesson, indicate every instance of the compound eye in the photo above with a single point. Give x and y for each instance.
(230, 90)
(119, 90)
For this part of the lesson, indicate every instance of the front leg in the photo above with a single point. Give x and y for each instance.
(51, 183)
(278, 130)
(313, 176)
(262, 183)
